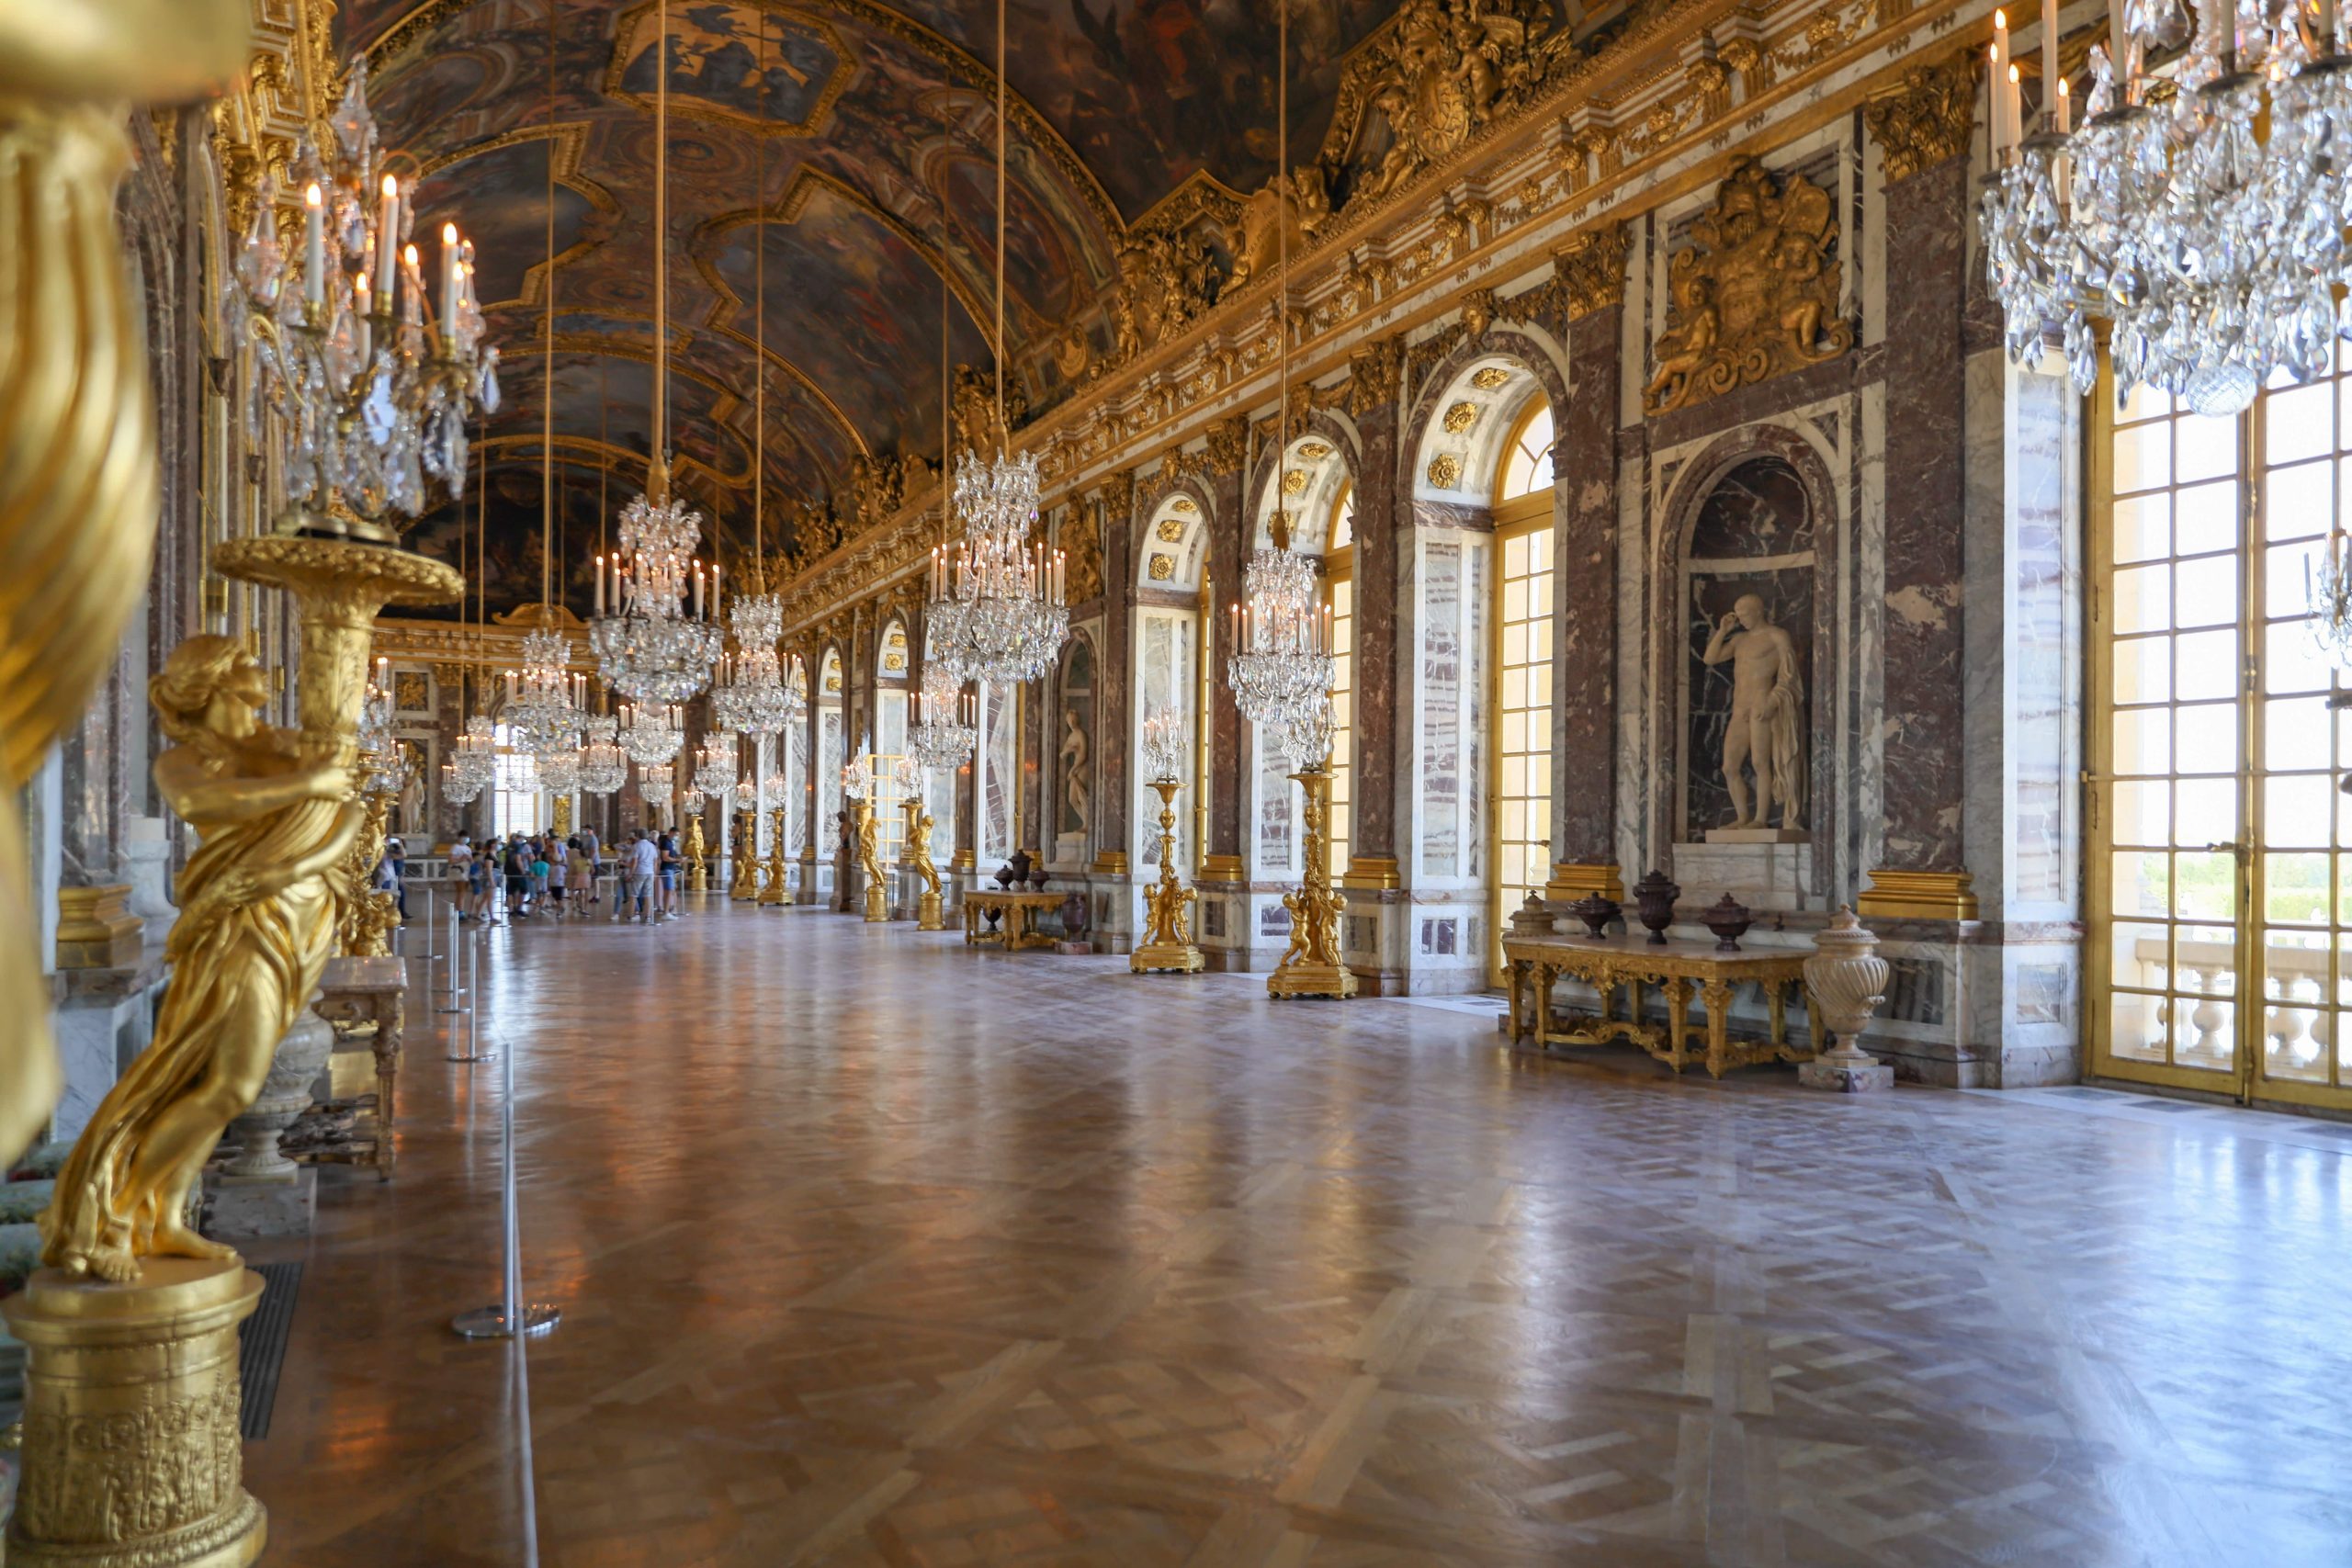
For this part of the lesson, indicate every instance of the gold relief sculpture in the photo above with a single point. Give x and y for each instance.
(1314, 451)
(1445, 471)
(776, 890)
(1228, 446)
(1082, 545)
(697, 856)
(1184, 505)
(1928, 119)
(1375, 372)
(1170, 530)
(1310, 966)
(368, 913)
(1167, 942)
(1166, 281)
(1487, 380)
(1297, 201)
(1753, 294)
(930, 914)
(1590, 270)
(259, 900)
(1461, 417)
(1294, 482)
(78, 490)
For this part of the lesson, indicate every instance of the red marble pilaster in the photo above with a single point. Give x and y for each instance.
(1584, 674)
(1113, 509)
(1372, 824)
(1921, 664)
(1228, 547)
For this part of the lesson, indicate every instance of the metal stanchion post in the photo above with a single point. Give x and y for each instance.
(504, 1319)
(472, 1053)
(452, 945)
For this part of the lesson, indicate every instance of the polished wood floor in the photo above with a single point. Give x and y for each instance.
(872, 1249)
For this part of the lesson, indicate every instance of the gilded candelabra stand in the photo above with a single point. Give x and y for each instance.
(929, 909)
(746, 857)
(1310, 965)
(868, 833)
(1168, 936)
(774, 891)
(370, 912)
(697, 856)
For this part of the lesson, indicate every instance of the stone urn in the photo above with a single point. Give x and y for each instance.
(1728, 919)
(1533, 918)
(284, 1095)
(1075, 917)
(1653, 897)
(1595, 910)
(1015, 873)
(1846, 979)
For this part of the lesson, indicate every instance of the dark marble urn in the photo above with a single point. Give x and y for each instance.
(1596, 910)
(1653, 897)
(1013, 872)
(1727, 917)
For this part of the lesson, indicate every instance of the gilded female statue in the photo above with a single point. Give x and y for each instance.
(258, 909)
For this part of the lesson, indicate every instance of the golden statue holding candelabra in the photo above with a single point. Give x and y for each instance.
(776, 892)
(746, 886)
(929, 910)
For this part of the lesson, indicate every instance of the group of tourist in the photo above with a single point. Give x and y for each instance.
(557, 880)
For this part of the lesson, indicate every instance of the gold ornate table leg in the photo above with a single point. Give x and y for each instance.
(1716, 994)
(1777, 993)
(1678, 1021)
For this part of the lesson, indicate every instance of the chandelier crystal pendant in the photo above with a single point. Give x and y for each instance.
(656, 782)
(372, 380)
(604, 766)
(650, 734)
(559, 771)
(2200, 211)
(944, 733)
(749, 695)
(747, 794)
(477, 758)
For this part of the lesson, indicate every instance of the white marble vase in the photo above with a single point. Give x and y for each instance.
(284, 1095)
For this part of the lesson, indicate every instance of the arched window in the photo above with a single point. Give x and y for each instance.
(515, 800)
(1526, 458)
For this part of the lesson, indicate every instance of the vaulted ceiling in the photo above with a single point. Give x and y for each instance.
(866, 133)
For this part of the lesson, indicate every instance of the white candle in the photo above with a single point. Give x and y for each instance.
(2002, 139)
(600, 587)
(713, 585)
(697, 590)
(388, 238)
(314, 247)
(449, 280)
(2015, 105)
(2052, 73)
(2065, 108)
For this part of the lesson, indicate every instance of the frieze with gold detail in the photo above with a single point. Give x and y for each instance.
(1755, 294)
(1927, 119)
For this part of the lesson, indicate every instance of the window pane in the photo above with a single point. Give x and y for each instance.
(2205, 518)
(2143, 457)
(2299, 422)
(2143, 527)
(2205, 666)
(2142, 812)
(2204, 448)
(2144, 670)
(2206, 738)
(2298, 503)
(2205, 594)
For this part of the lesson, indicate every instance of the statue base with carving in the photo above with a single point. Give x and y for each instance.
(1758, 835)
(1167, 946)
(133, 1399)
(774, 889)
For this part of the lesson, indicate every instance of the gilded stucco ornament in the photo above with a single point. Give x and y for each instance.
(1753, 294)
(1166, 282)
(1590, 270)
(1928, 119)
(1081, 546)
(1298, 200)
(1228, 444)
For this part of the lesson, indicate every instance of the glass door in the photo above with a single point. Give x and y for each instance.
(2221, 888)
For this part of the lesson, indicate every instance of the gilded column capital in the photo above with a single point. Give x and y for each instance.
(1591, 269)
(1228, 444)
(1118, 493)
(1372, 374)
(1925, 120)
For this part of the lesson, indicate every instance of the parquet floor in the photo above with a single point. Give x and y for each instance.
(874, 1250)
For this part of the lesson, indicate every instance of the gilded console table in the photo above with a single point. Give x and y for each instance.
(355, 994)
(1020, 908)
(1680, 970)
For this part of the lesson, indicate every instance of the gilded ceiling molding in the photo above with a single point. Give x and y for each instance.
(1590, 270)
(1376, 372)
(1929, 117)
(1228, 444)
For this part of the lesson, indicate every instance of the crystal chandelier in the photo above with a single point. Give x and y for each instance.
(1163, 748)
(715, 766)
(944, 732)
(655, 647)
(656, 782)
(1281, 666)
(2214, 249)
(650, 734)
(747, 795)
(543, 713)
(559, 771)
(857, 773)
(604, 766)
(749, 695)
(997, 611)
(477, 758)
(372, 389)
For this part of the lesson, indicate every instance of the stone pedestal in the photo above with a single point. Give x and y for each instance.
(149, 856)
(1768, 875)
(95, 929)
(132, 1455)
(245, 1207)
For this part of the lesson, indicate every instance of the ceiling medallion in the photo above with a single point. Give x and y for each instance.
(1445, 471)
(1461, 417)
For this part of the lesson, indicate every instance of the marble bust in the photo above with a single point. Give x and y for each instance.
(1767, 732)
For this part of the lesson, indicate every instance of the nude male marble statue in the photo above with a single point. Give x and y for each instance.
(1767, 728)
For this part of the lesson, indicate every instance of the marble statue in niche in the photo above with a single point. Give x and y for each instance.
(1073, 809)
(1747, 597)
(1766, 729)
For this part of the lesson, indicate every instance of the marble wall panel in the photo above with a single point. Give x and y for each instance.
(1584, 665)
(1378, 529)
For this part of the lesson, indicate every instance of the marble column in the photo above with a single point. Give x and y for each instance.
(1229, 541)
(1380, 525)
(1922, 130)
(1584, 584)
(1114, 738)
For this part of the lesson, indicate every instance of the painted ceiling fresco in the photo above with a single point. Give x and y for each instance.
(867, 134)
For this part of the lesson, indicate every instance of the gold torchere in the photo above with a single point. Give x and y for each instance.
(78, 492)
(773, 893)
(697, 856)
(1167, 938)
(929, 912)
(869, 859)
(370, 914)
(747, 856)
(1310, 965)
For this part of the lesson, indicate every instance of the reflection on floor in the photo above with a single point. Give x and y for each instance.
(874, 1250)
